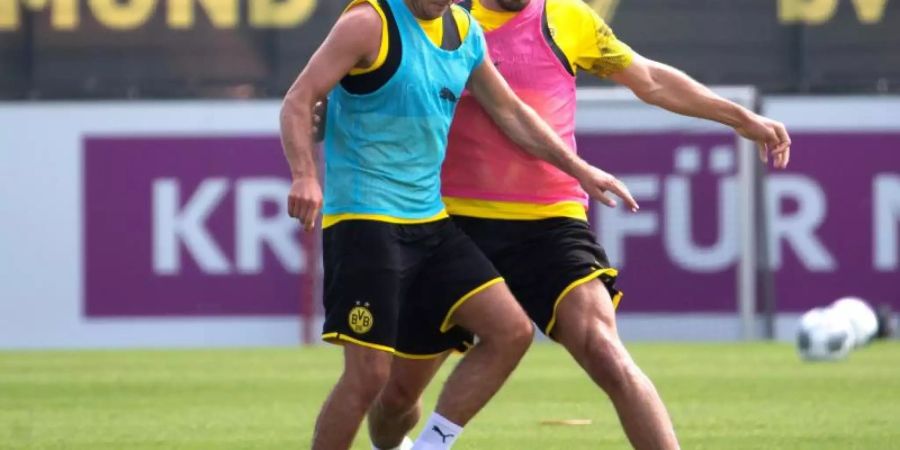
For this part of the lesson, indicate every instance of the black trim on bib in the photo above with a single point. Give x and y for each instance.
(370, 82)
(451, 39)
(548, 36)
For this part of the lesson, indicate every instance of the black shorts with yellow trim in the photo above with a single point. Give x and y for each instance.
(542, 260)
(394, 287)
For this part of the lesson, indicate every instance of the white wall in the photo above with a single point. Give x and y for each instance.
(41, 230)
(41, 226)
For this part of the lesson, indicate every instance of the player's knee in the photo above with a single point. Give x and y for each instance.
(610, 364)
(519, 335)
(366, 382)
(397, 399)
(368, 389)
(511, 339)
(523, 335)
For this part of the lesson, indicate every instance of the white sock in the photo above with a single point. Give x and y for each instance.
(438, 434)
(407, 444)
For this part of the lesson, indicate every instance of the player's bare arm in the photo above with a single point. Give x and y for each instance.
(524, 127)
(669, 88)
(353, 42)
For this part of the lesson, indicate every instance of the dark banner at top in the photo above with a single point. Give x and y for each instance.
(778, 45)
(157, 48)
(254, 48)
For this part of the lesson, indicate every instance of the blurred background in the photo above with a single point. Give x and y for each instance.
(142, 183)
(151, 49)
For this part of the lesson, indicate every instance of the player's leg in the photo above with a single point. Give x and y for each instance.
(363, 265)
(398, 407)
(365, 373)
(422, 346)
(586, 327)
(504, 334)
(462, 291)
(560, 276)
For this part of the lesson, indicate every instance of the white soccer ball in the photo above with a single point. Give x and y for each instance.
(861, 316)
(824, 335)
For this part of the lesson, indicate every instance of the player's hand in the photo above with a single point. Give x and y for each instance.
(598, 183)
(770, 136)
(318, 126)
(305, 201)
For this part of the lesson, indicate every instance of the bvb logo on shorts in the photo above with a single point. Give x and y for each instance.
(360, 318)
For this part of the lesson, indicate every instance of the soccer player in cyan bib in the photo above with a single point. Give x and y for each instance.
(400, 278)
(530, 218)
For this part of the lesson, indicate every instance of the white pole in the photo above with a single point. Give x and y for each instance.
(746, 276)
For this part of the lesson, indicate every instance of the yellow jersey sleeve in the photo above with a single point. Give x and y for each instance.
(586, 40)
(433, 28)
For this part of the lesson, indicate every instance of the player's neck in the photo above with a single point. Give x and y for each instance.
(492, 5)
(422, 11)
(498, 6)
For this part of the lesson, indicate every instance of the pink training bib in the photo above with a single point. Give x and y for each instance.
(482, 163)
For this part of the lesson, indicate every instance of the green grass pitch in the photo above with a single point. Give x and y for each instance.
(722, 396)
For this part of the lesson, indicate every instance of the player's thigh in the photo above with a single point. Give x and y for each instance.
(562, 257)
(420, 336)
(366, 370)
(362, 284)
(416, 372)
(362, 360)
(450, 270)
(408, 379)
(492, 312)
(480, 301)
(586, 318)
(456, 285)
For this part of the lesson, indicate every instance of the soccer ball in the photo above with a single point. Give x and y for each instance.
(861, 317)
(824, 335)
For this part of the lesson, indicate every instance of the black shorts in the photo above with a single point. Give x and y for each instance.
(542, 260)
(393, 287)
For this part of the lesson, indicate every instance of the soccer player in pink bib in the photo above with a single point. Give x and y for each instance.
(530, 218)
